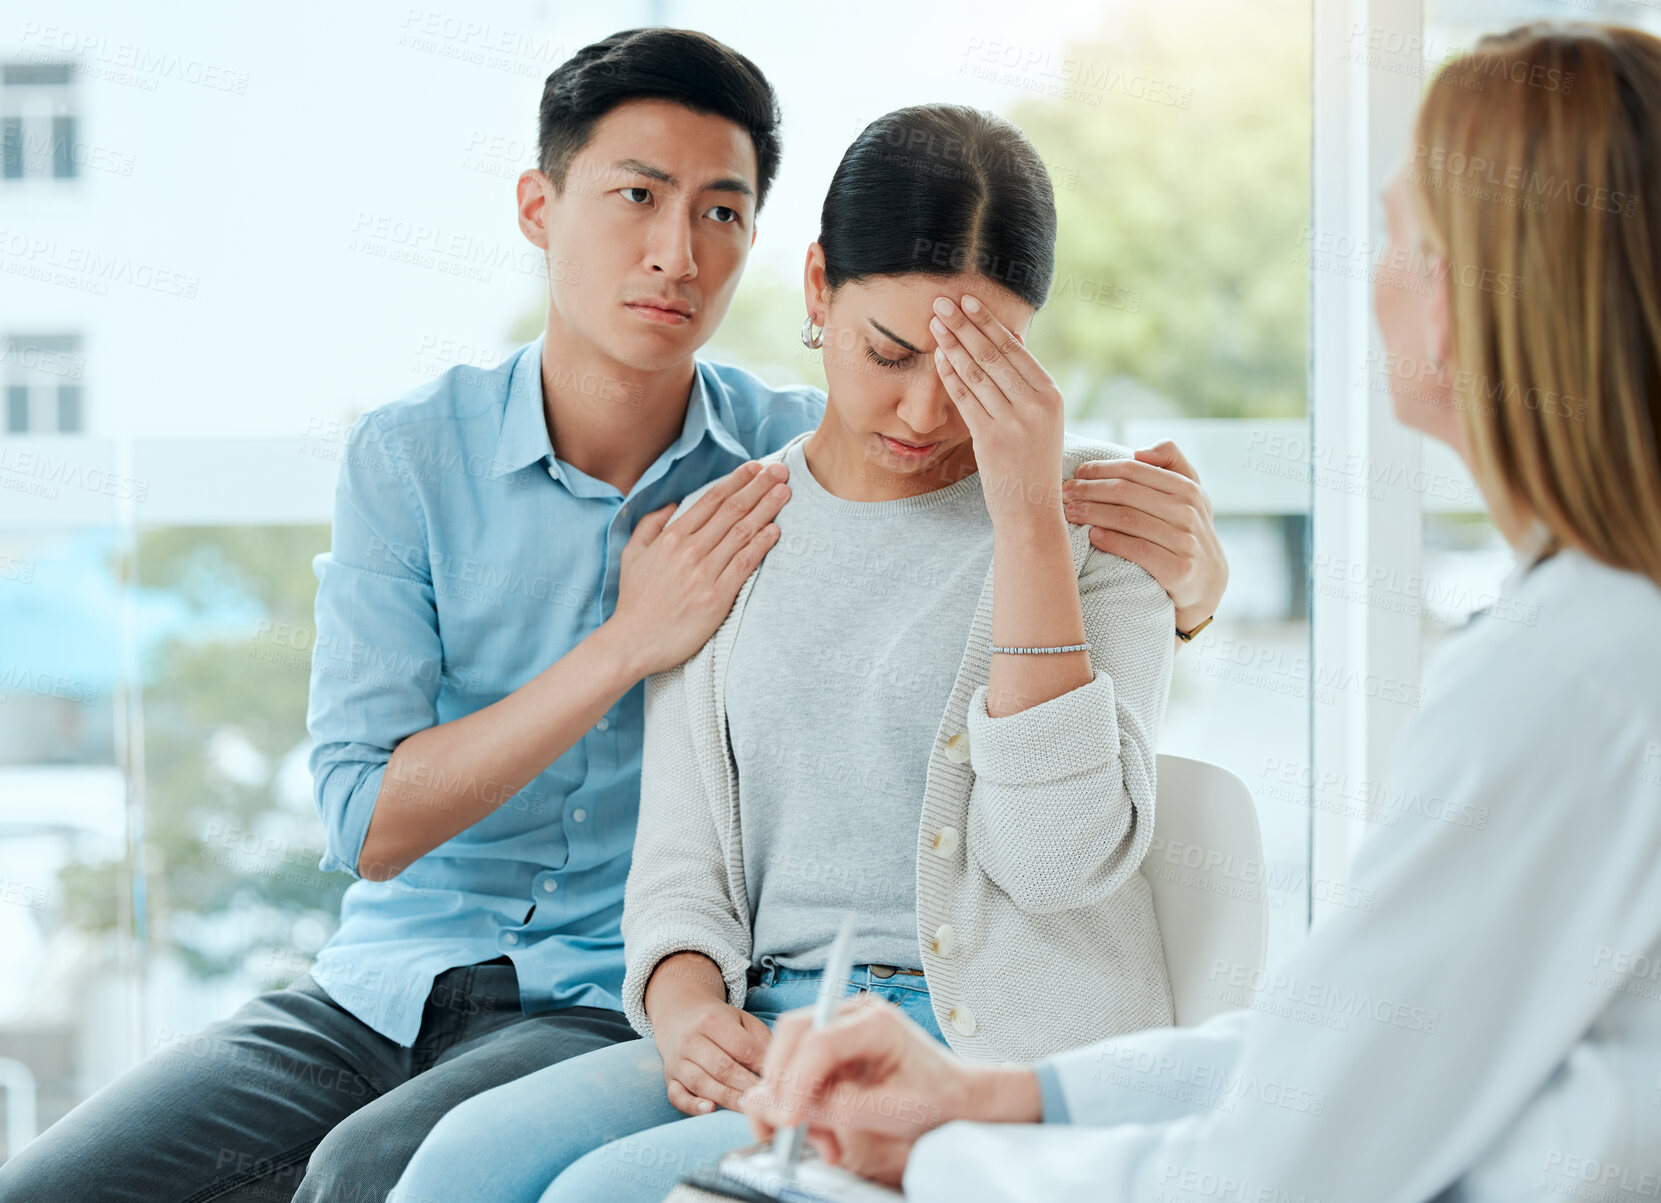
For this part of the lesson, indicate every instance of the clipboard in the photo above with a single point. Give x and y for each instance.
(753, 1175)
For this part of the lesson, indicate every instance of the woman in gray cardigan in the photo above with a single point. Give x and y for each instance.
(935, 703)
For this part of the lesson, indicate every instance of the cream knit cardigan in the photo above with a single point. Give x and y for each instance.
(1035, 924)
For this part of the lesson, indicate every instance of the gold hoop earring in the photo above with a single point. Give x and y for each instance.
(812, 338)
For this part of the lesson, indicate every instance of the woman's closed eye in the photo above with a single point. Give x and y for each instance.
(874, 357)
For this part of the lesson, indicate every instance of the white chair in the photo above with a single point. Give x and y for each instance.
(1210, 893)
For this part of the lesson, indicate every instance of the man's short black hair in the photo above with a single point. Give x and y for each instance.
(681, 65)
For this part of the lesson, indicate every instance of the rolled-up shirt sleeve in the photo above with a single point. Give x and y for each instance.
(377, 659)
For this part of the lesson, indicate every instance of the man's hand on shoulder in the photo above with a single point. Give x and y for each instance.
(678, 580)
(1151, 511)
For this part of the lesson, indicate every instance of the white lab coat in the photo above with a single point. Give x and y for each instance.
(1490, 1029)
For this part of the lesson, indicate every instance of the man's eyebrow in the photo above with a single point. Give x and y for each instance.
(889, 333)
(637, 167)
(729, 184)
(725, 184)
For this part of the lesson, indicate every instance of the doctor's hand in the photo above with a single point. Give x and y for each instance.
(872, 1082)
(1151, 511)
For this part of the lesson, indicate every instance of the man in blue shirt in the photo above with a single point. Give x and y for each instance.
(501, 580)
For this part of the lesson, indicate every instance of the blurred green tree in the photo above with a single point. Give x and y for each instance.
(231, 840)
(1182, 198)
(1180, 160)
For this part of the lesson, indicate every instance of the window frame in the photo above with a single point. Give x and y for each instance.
(39, 109)
(1364, 100)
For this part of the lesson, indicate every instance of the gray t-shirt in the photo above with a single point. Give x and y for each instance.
(840, 671)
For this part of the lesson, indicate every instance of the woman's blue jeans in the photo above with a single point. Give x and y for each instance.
(600, 1126)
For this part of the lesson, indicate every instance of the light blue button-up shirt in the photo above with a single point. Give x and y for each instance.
(467, 557)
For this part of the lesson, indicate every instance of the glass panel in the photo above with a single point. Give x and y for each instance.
(231, 836)
(235, 902)
(62, 815)
(1178, 147)
(17, 408)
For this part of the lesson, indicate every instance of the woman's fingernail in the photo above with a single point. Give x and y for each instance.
(942, 306)
(970, 305)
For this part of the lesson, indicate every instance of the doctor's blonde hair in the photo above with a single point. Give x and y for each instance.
(1537, 174)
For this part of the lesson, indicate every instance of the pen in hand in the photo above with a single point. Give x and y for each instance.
(787, 1142)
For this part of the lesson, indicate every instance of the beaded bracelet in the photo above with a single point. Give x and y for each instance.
(1025, 651)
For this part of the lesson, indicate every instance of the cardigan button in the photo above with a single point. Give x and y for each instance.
(944, 940)
(962, 1020)
(945, 842)
(957, 748)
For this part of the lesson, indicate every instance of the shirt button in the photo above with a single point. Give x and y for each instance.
(945, 939)
(945, 842)
(962, 1020)
(549, 885)
(578, 815)
(553, 472)
(957, 748)
(510, 938)
(604, 724)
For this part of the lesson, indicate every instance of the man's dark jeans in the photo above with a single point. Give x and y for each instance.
(293, 1098)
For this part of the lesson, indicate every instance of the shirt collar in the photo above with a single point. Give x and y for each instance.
(524, 438)
(703, 415)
